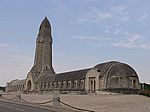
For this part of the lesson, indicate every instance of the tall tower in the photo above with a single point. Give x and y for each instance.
(43, 57)
(43, 53)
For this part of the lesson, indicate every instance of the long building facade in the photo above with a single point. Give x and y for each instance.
(109, 76)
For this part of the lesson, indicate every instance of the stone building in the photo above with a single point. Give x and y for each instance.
(109, 76)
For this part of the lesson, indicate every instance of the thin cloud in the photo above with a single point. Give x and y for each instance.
(94, 38)
(112, 14)
(14, 60)
(117, 31)
(7, 48)
(143, 17)
(145, 46)
(129, 41)
(134, 37)
(13, 54)
(132, 41)
(102, 14)
(124, 44)
(117, 13)
(94, 41)
(85, 37)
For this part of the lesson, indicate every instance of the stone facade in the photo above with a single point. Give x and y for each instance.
(15, 85)
(112, 76)
(109, 76)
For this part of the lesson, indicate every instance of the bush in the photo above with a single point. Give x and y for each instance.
(145, 93)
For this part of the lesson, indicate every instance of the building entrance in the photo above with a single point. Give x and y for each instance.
(29, 85)
(92, 84)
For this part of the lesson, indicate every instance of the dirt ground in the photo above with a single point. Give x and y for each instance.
(99, 103)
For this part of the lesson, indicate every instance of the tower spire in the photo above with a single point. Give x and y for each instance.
(45, 26)
(43, 55)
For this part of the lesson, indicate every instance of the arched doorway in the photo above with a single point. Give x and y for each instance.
(29, 85)
(134, 83)
(92, 84)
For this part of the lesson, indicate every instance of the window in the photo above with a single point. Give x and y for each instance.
(49, 85)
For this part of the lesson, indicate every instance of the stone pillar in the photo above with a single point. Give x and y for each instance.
(56, 97)
(18, 96)
(1, 94)
(97, 83)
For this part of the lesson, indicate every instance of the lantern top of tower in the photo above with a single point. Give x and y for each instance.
(45, 24)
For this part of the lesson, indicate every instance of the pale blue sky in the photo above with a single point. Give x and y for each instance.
(85, 33)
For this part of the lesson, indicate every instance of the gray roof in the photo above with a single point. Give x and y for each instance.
(17, 82)
(114, 67)
(123, 69)
(104, 68)
(72, 75)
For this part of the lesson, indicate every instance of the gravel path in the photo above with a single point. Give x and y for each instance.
(100, 103)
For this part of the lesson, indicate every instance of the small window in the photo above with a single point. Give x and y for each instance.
(98, 71)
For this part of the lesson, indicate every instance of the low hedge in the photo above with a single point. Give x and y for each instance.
(145, 93)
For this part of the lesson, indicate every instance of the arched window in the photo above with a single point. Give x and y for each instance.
(49, 85)
(29, 85)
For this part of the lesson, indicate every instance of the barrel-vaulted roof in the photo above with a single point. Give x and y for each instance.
(115, 67)
(17, 82)
(104, 68)
(122, 69)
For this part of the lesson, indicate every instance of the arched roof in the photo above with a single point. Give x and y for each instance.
(104, 69)
(114, 66)
(122, 69)
(17, 82)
